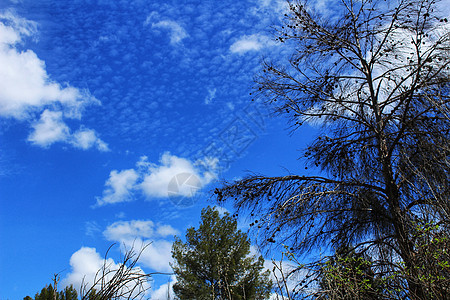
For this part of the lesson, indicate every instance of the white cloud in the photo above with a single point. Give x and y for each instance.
(26, 89)
(165, 291)
(254, 42)
(156, 181)
(119, 187)
(24, 83)
(49, 129)
(166, 230)
(87, 138)
(172, 176)
(158, 256)
(124, 230)
(85, 264)
(130, 230)
(158, 251)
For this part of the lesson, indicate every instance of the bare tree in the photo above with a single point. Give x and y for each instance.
(374, 77)
(122, 281)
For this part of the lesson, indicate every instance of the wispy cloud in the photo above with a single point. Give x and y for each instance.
(144, 229)
(211, 95)
(92, 228)
(164, 83)
(254, 42)
(176, 31)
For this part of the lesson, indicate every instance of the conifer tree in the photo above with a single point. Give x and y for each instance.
(49, 293)
(215, 262)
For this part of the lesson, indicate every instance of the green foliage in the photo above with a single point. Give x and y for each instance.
(353, 275)
(93, 295)
(215, 262)
(349, 275)
(48, 293)
(69, 293)
(432, 261)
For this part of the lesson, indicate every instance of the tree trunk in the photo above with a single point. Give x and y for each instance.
(399, 219)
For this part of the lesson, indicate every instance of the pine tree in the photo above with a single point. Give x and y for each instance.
(48, 293)
(215, 262)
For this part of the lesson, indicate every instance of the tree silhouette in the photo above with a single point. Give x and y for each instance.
(122, 281)
(374, 77)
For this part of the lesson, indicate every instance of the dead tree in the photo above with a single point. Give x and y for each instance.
(122, 281)
(374, 77)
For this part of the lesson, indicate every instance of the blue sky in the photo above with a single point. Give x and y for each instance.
(103, 104)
